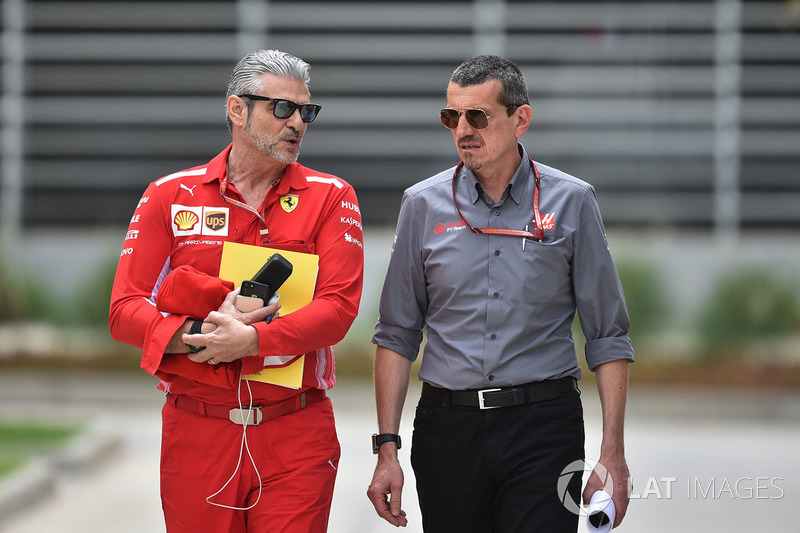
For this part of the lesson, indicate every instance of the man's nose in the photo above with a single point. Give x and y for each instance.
(295, 121)
(463, 128)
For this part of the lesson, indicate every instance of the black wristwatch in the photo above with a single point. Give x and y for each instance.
(383, 438)
(194, 330)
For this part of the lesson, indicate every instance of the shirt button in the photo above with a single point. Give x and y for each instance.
(491, 377)
(497, 252)
(496, 295)
(493, 336)
(496, 212)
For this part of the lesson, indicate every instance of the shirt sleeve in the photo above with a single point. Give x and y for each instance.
(404, 298)
(326, 320)
(599, 298)
(133, 317)
(143, 264)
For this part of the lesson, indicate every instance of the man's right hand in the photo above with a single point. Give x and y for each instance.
(386, 488)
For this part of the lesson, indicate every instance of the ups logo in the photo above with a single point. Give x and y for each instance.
(215, 221)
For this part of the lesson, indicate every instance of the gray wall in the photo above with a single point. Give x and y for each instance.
(680, 113)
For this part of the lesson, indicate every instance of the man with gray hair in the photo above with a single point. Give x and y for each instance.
(493, 257)
(241, 452)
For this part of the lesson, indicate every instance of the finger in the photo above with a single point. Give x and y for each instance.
(620, 506)
(261, 314)
(394, 502)
(400, 519)
(197, 339)
(386, 513)
(231, 296)
(395, 506)
(619, 516)
(379, 501)
(218, 318)
(199, 357)
(592, 485)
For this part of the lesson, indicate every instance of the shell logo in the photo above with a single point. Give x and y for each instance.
(185, 220)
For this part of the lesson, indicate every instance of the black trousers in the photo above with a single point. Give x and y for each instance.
(497, 470)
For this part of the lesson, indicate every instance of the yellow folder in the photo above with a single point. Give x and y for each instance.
(290, 375)
(242, 261)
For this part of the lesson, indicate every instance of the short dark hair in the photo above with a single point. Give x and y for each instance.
(480, 69)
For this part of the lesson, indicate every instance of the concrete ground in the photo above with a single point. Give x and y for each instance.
(708, 461)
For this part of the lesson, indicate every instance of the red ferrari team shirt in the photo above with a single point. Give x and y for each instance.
(183, 219)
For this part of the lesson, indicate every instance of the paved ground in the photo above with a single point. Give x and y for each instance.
(701, 462)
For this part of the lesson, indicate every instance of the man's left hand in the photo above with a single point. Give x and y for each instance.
(618, 483)
(228, 307)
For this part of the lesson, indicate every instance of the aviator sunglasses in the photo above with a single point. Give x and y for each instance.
(477, 118)
(283, 109)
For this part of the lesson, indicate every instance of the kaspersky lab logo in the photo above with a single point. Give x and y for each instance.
(577, 468)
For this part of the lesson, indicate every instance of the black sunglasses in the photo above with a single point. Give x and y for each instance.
(477, 118)
(283, 109)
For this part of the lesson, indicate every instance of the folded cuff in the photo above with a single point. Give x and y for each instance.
(601, 351)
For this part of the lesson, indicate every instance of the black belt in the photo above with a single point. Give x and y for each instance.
(245, 415)
(537, 391)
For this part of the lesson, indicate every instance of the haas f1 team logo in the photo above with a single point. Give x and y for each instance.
(186, 220)
(549, 221)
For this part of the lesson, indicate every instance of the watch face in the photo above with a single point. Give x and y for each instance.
(375, 445)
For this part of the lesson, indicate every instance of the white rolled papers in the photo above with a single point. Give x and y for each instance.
(601, 513)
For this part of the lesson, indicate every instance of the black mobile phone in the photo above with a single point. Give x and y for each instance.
(268, 279)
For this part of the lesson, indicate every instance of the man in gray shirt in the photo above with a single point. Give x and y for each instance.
(493, 258)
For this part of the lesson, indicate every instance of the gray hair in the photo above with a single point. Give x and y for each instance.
(245, 78)
(480, 69)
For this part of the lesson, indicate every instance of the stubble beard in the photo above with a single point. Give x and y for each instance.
(470, 162)
(268, 145)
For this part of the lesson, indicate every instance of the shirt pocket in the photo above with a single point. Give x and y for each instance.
(294, 246)
(547, 270)
(552, 245)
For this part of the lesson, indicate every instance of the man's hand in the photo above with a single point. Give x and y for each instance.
(387, 487)
(228, 307)
(617, 482)
(229, 341)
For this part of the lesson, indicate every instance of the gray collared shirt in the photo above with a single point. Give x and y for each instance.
(496, 314)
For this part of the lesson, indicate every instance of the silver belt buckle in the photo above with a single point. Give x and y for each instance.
(482, 402)
(245, 417)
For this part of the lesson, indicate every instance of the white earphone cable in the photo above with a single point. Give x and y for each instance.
(242, 447)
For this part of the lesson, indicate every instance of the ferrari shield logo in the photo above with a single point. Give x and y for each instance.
(289, 202)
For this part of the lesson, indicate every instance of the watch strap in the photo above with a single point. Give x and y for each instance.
(196, 327)
(383, 438)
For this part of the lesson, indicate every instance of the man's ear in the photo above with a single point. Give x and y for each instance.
(524, 118)
(237, 111)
